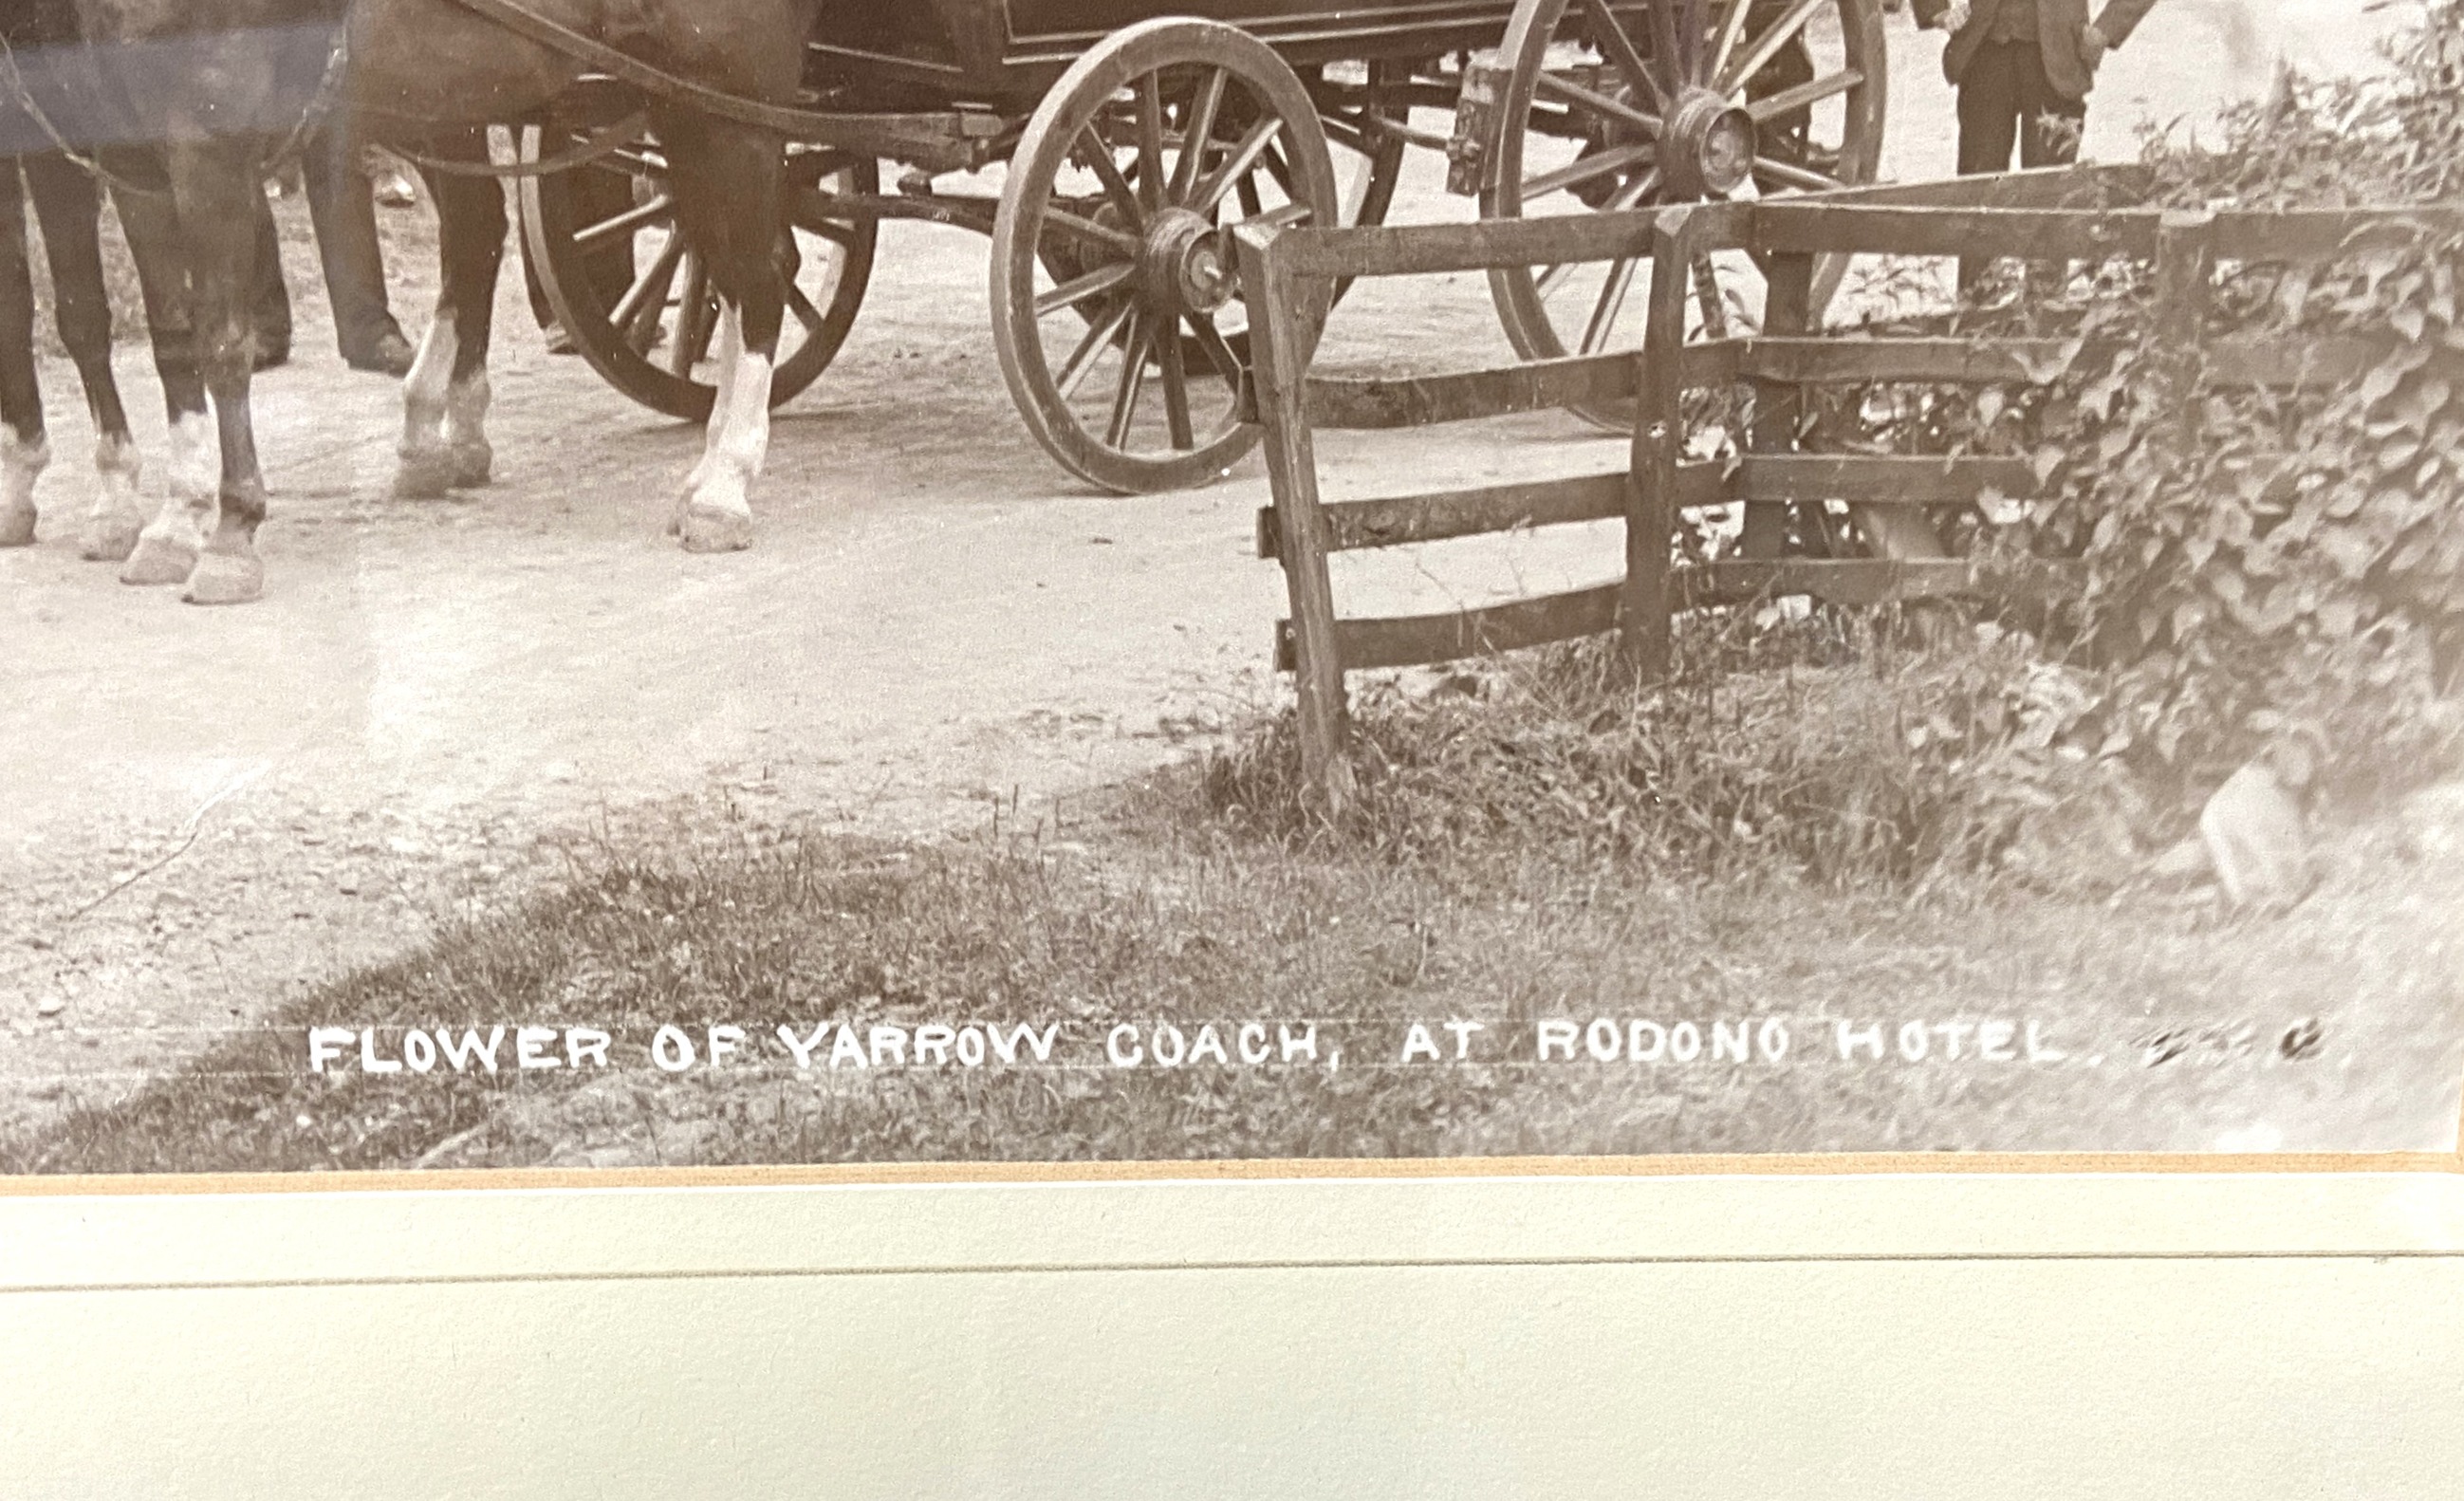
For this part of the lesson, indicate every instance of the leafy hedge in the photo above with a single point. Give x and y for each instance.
(2271, 574)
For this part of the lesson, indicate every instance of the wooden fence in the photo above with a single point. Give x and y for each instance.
(1291, 272)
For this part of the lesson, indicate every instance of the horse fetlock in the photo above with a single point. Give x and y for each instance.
(116, 458)
(194, 463)
(21, 464)
(112, 525)
(717, 515)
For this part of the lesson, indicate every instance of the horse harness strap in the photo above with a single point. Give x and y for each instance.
(601, 143)
(627, 68)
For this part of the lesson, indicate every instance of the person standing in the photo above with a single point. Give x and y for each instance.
(341, 204)
(2023, 69)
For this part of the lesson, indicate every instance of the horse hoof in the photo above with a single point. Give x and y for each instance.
(17, 526)
(709, 529)
(109, 539)
(472, 463)
(157, 561)
(425, 475)
(222, 578)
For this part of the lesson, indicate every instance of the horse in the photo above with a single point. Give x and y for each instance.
(67, 202)
(223, 85)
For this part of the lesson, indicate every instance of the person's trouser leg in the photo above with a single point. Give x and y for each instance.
(2050, 125)
(2050, 128)
(342, 204)
(1989, 125)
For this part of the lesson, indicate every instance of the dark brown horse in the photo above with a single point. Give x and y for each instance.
(223, 86)
(38, 101)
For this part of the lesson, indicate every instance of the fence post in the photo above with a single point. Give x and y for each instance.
(1788, 302)
(2185, 261)
(1643, 604)
(1286, 314)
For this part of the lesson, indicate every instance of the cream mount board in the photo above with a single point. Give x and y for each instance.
(1966, 1336)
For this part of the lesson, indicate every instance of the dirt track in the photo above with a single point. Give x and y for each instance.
(932, 622)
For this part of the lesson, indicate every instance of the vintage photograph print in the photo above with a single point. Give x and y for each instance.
(717, 584)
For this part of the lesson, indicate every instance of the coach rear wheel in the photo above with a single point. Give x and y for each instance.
(1612, 104)
(1116, 308)
(634, 298)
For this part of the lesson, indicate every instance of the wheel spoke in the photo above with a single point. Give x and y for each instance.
(1791, 176)
(637, 311)
(1196, 134)
(802, 308)
(1733, 25)
(1176, 387)
(1280, 171)
(1089, 229)
(1627, 197)
(1665, 47)
(1767, 46)
(1100, 162)
(1690, 32)
(1766, 110)
(1082, 360)
(693, 321)
(657, 210)
(1612, 302)
(1134, 381)
(1584, 169)
(1620, 49)
(1575, 93)
(1151, 180)
(842, 235)
(1094, 285)
(1237, 166)
(1218, 354)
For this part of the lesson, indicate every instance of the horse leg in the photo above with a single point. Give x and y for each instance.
(24, 451)
(730, 347)
(71, 210)
(727, 185)
(167, 547)
(211, 181)
(445, 397)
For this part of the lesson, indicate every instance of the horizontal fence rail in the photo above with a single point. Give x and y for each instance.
(2070, 214)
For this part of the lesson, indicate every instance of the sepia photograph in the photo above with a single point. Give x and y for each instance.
(728, 583)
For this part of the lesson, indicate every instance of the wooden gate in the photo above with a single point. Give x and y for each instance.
(2035, 216)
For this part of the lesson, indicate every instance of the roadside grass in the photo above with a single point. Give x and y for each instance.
(1769, 857)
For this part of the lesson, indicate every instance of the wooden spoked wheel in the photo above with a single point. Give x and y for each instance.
(1612, 104)
(1116, 305)
(635, 299)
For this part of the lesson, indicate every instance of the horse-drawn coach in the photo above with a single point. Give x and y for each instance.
(1107, 152)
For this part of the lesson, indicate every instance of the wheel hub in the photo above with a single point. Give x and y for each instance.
(1184, 262)
(1707, 146)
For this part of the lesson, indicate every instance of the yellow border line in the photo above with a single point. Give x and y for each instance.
(1839, 1164)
